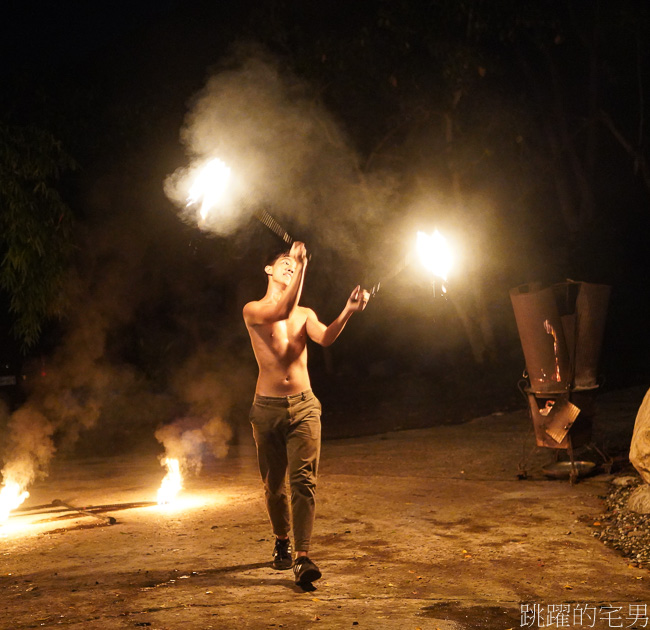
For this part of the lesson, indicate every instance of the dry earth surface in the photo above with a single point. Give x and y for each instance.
(425, 528)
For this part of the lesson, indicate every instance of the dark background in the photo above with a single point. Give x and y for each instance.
(517, 127)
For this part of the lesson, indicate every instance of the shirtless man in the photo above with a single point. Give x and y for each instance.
(285, 414)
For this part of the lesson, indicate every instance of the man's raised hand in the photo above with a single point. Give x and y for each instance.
(358, 299)
(298, 252)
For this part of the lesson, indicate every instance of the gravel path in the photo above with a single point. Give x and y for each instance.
(623, 530)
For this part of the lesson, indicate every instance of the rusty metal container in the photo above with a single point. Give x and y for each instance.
(541, 332)
(552, 420)
(561, 329)
(591, 312)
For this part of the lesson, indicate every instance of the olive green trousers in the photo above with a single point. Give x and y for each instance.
(287, 435)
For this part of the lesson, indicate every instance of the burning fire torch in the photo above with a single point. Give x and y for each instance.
(434, 255)
(208, 188)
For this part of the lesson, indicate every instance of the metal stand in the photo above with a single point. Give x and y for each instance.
(563, 421)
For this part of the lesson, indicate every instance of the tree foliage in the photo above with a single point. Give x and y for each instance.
(35, 227)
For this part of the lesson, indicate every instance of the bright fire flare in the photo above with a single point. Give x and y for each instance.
(11, 496)
(209, 185)
(435, 253)
(172, 483)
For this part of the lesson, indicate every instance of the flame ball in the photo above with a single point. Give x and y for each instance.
(434, 253)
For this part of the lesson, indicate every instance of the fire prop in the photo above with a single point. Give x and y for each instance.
(12, 496)
(110, 520)
(265, 218)
(209, 186)
(172, 482)
(434, 254)
(208, 189)
(212, 180)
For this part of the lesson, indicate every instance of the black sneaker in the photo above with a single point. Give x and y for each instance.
(282, 558)
(305, 571)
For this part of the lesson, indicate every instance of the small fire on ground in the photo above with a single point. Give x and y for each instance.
(172, 482)
(12, 495)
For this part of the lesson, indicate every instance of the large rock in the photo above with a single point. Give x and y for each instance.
(640, 445)
(639, 500)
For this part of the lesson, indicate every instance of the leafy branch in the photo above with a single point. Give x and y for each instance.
(35, 227)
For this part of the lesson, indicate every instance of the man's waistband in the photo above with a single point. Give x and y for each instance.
(292, 398)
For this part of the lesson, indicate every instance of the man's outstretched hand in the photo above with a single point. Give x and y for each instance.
(358, 299)
(298, 252)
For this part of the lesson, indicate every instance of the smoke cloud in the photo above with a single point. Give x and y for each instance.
(189, 443)
(209, 384)
(68, 393)
(30, 444)
(123, 364)
(286, 151)
(154, 336)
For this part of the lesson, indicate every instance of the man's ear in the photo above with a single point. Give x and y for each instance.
(268, 270)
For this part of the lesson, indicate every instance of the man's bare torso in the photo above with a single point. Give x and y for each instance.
(281, 352)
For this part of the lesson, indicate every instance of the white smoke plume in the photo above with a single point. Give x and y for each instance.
(68, 391)
(189, 440)
(209, 384)
(30, 444)
(286, 151)
(67, 397)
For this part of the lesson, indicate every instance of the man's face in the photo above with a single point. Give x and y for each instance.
(282, 270)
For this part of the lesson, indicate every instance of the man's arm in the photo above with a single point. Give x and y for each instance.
(267, 312)
(326, 335)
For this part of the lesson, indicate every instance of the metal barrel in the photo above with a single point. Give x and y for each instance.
(541, 332)
(591, 311)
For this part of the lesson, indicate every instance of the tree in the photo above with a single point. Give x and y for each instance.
(35, 227)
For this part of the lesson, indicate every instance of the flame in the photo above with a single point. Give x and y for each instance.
(209, 185)
(548, 327)
(172, 482)
(12, 496)
(434, 253)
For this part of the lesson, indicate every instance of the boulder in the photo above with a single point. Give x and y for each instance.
(639, 500)
(640, 445)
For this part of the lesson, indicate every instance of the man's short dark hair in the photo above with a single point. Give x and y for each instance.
(276, 255)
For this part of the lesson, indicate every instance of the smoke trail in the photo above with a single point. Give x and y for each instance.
(30, 444)
(190, 439)
(67, 398)
(69, 390)
(209, 383)
(286, 152)
(132, 319)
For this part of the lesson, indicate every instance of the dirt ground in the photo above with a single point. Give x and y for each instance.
(425, 528)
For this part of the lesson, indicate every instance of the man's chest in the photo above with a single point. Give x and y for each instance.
(288, 333)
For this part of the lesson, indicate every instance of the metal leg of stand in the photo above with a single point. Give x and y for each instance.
(574, 474)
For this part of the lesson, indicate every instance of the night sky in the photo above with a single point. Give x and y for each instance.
(367, 122)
